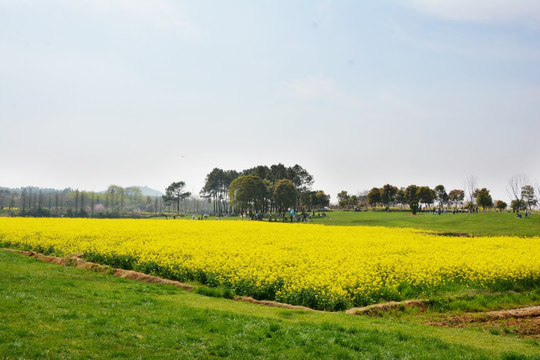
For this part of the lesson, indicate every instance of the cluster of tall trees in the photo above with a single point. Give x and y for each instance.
(113, 202)
(216, 189)
(262, 189)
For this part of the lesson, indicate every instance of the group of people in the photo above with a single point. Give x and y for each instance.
(440, 211)
(464, 210)
(286, 216)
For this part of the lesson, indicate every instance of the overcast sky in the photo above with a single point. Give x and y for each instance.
(360, 93)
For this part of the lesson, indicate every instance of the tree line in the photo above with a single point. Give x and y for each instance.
(417, 197)
(116, 201)
(261, 189)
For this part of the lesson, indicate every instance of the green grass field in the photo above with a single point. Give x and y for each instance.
(491, 224)
(55, 312)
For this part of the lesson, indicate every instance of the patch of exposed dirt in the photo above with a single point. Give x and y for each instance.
(524, 322)
(527, 312)
(75, 260)
(392, 305)
(270, 303)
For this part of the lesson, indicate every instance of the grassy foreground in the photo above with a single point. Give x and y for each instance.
(50, 311)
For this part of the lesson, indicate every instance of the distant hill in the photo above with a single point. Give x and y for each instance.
(146, 191)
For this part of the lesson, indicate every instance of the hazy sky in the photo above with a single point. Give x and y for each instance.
(360, 93)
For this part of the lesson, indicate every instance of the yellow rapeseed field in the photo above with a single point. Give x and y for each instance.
(315, 265)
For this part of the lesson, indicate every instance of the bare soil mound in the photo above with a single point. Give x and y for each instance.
(524, 322)
(527, 312)
(376, 308)
(270, 303)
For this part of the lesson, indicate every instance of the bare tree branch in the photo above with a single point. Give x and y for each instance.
(471, 184)
(514, 186)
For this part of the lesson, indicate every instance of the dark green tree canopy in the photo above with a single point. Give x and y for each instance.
(315, 199)
(218, 182)
(501, 205)
(216, 188)
(411, 194)
(300, 177)
(483, 198)
(401, 196)
(261, 171)
(528, 196)
(248, 192)
(374, 196)
(320, 199)
(285, 194)
(278, 172)
(441, 195)
(518, 205)
(175, 193)
(343, 198)
(388, 194)
(426, 195)
(353, 201)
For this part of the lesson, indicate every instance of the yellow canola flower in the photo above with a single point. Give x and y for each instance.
(333, 261)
